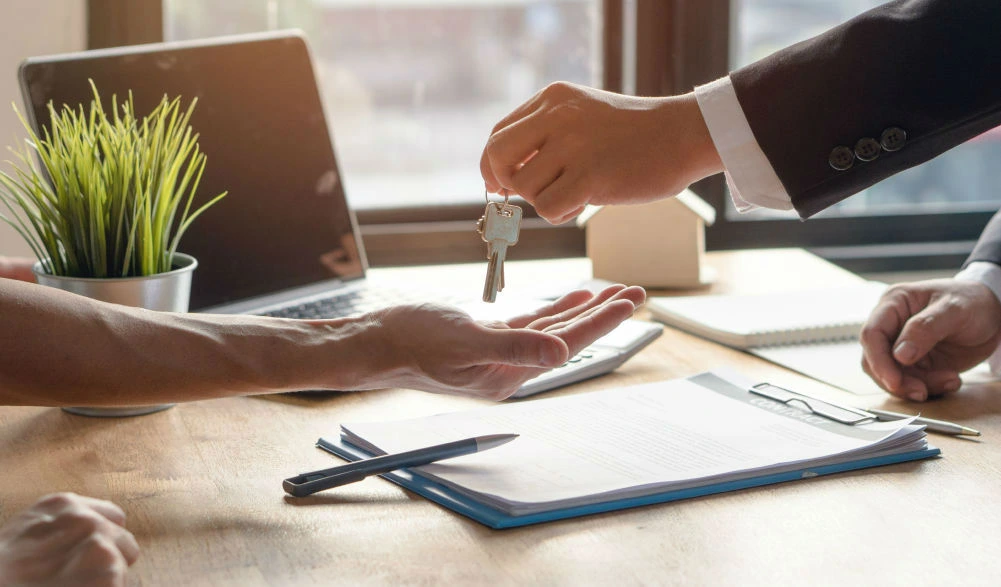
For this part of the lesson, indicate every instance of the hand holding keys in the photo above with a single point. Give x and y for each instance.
(499, 227)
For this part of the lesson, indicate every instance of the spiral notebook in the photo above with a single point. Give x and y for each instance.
(759, 320)
(812, 331)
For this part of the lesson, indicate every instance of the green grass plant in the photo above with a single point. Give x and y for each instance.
(112, 195)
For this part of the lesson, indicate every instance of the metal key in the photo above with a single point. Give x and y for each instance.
(499, 227)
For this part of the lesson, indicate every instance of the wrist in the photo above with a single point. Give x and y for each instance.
(345, 354)
(703, 158)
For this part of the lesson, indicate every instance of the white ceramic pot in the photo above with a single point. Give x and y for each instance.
(167, 292)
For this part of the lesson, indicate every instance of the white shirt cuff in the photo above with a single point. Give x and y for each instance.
(750, 177)
(988, 274)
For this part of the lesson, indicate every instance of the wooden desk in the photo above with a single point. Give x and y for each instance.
(201, 484)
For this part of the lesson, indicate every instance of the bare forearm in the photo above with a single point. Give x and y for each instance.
(61, 349)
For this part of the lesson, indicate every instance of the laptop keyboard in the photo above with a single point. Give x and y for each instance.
(347, 304)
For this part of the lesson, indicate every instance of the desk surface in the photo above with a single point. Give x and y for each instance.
(201, 484)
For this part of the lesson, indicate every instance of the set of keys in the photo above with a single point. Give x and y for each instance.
(498, 227)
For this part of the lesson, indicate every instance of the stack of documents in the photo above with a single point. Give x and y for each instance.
(626, 447)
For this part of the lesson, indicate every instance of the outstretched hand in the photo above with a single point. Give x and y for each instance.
(443, 350)
(571, 145)
(922, 335)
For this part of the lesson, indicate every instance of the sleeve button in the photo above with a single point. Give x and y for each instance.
(867, 149)
(841, 158)
(893, 138)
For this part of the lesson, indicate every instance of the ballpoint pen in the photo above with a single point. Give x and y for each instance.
(309, 483)
(933, 425)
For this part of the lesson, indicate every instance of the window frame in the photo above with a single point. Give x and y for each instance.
(676, 45)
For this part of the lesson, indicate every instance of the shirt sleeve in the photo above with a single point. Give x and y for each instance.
(988, 274)
(750, 177)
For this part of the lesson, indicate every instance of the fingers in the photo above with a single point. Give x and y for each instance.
(97, 560)
(67, 539)
(902, 330)
(634, 295)
(509, 148)
(877, 337)
(568, 301)
(525, 110)
(538, 173)
(567, 304)
(59, 502)
(917, 384)
(592, 325)
(919, 335)
(127, 545)
(548, 337)
(923, 331)
(524, 348)
(561, 200)
(569, 215)
(544, 320)
(72, 519)
(107, 509)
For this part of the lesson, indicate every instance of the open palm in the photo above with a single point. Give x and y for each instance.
(444, 350)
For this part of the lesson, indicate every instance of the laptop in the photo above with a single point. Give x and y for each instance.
(284, 241)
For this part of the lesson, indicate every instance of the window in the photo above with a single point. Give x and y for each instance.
(415, 86)
(412, 90)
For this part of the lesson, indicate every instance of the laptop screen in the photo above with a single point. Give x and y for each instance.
(285, 221)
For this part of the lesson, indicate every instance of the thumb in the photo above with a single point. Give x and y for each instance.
(526, 347)
(923, 331)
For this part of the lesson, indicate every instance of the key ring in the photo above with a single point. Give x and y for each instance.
(486, 196)
(504, 209)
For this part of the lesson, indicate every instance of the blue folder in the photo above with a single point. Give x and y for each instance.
(493, 518)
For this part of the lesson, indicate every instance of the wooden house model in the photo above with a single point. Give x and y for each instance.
(656, 245)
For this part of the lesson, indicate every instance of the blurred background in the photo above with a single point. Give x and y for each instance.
(413, 87)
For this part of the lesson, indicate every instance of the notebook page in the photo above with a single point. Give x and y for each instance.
(836, 363)
(652, 435)
(746, 321)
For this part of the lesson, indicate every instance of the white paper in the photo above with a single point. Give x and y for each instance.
(836, 363)
(626, 442)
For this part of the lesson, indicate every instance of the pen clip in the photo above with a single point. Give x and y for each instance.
(310, 483)
(823, 408)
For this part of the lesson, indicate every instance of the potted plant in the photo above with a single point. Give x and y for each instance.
(107, 203)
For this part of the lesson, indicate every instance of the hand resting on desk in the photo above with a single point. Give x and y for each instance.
(66, 539)
(922, 335)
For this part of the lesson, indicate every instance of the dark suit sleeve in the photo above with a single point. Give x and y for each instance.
(988, 247)
(928, 68)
